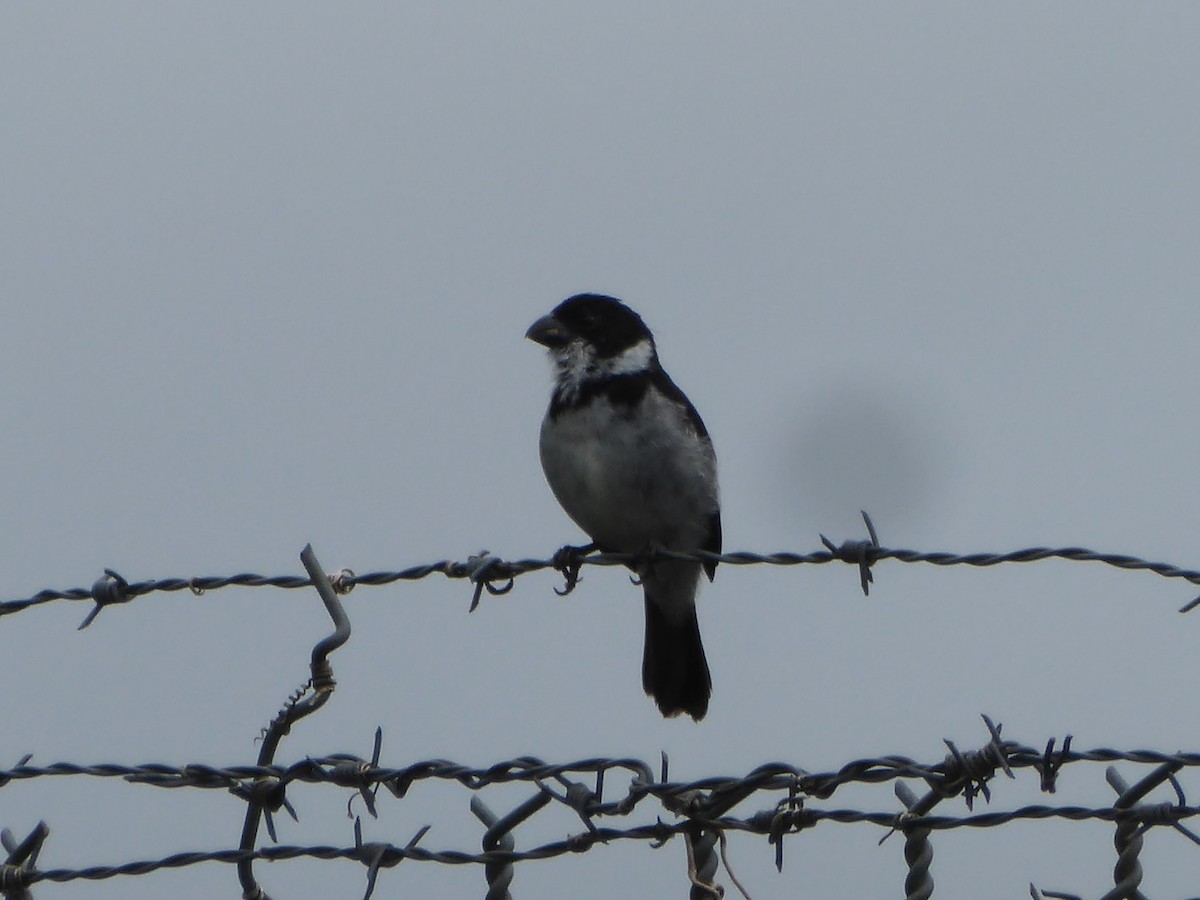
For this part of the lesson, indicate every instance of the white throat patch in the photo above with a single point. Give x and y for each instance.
(577, 363)
(636, 359)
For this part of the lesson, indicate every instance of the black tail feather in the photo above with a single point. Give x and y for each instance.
(674, 669)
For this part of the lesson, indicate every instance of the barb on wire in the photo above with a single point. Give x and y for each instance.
(16, 874)
(785, 800)
(481, 572)
(860, 553)
(376, 856)
(971, 772)
(356, 773)
(110, 589)
(489, 572)
(794, 783)
(1052, 763)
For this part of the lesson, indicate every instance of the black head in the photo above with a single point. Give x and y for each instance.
(605, 323)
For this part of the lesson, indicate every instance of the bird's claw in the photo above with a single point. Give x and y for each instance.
(569, 560)
(644, 560)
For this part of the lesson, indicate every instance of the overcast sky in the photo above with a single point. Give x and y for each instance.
(266, 272)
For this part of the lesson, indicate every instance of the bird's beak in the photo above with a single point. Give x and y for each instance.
(548, 332)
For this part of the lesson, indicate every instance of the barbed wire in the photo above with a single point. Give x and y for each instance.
(348, 770)
(497, 576)
(703, 805)
(777, 800)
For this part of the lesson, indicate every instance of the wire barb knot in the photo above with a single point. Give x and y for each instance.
(18, 871)
(359, 774)
(343, 581)
(14, 880)
(106, 591)
(482, 569)
(266, 792)
(858, 553)
(1052, 763)
(376, 856)
(970, 772)
(788, 817)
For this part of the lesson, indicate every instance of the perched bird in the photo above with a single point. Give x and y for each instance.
(629, 460)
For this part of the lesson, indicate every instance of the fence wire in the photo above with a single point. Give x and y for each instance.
(618, 799)
(497, 576)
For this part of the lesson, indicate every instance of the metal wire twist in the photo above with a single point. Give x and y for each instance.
(701, 799)
(785, 799)
(495, 575)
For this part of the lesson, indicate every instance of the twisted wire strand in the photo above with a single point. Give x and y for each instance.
(775, 776)
(702, 804)
(656, 832)
(485, 569)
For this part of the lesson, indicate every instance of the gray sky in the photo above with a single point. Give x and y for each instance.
(267, 268)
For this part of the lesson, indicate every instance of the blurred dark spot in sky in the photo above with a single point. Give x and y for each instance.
(854, 446)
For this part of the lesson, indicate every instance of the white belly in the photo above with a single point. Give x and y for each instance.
(629, 487)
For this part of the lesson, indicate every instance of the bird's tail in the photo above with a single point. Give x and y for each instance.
(674, 670)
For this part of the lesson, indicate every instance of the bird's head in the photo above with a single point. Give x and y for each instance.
(593, 337)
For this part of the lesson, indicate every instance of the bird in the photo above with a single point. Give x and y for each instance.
(629, 459)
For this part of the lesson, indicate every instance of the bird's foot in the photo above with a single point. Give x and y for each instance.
(569, 560)
(644, 560)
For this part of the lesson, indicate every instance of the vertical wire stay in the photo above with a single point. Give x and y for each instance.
(1127, 873)
(307, 701)
(499, 837)
(918, 851)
